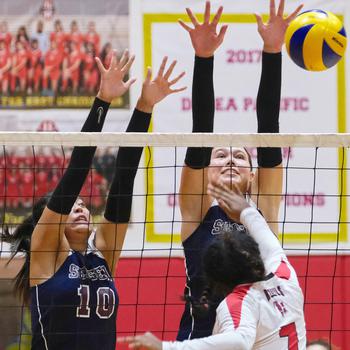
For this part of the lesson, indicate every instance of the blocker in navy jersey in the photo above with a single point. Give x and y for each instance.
(81, 320)
(194, 326)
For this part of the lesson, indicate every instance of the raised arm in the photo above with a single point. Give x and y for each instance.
(267, 188)
(49, 246)
(111, 233)
(237, 208)
(205, 40)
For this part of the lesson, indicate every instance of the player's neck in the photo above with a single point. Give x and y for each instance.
(78, 246)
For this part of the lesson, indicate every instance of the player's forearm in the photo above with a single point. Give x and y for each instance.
(223, 341)
(119, 201)
(268, 106)
(72, 181)
(258, 228)
(203, 109)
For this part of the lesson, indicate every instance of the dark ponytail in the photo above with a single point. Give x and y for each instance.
(19, 241)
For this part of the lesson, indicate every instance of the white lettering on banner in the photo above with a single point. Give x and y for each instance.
(248, 104)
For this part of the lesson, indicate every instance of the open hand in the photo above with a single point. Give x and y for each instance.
(154, 91)
(231, 201)
(205, 39)
(112, 84)
(274, 30)
(144, 341)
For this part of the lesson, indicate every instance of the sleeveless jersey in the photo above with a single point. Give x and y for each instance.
(193, 325)
(77, 307)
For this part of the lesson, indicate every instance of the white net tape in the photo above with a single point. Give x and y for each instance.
(173, 139)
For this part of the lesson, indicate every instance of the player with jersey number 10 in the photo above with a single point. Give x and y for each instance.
(67, 278)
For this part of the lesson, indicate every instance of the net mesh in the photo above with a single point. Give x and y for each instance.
(150, 277)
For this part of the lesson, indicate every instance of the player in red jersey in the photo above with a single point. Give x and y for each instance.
(23, 36)
(5, 35)
(52, 67)
(89, 69)
(92, 37)
(36, 67)
(58, 35)
(75, 35)
(5, 65)
(107, 54)
(71, 68)
(19, 71)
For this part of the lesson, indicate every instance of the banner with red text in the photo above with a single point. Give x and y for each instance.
(311, 103)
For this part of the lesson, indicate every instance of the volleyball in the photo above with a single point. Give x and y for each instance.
(316, 40)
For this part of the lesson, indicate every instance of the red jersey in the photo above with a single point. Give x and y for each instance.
(35, 57)
(89, 62)
(94, 39)
(76, 37)
(7, 37)
(60, 38)
(21, 57)
(108, 59)
(73, 58)
(5, 57)
(53, 59)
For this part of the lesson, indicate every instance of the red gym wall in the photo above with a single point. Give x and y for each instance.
(150, 296)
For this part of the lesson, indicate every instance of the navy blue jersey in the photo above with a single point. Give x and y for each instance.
(77, 307)
(193, 325)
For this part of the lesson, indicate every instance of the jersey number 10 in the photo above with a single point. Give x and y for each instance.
(105, 298)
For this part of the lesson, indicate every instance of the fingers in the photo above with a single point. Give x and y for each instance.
(259, 20)
(113, 63)
(127, 339)
(207, 12)
(170, 70)
(128, 65)
(193, 18)
(100, 65)
(130, 82)
(272, 8)
(148, 75)
(281, 8)
(174, 91)
(184, 25)
(294, 14)
(222, 33)
(174, 81)
(162, 66)
(217, 16)
(123, 59)
(221, 190)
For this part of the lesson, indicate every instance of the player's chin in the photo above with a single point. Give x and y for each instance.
(83, 228)
(230, 179)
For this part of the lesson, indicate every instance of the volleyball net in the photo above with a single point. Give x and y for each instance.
(313, 219)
